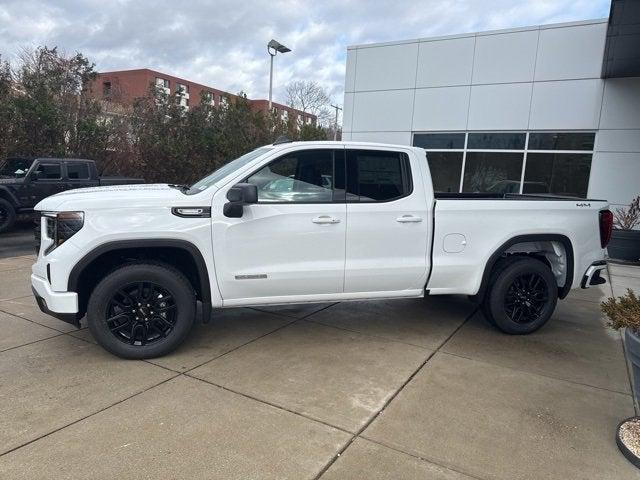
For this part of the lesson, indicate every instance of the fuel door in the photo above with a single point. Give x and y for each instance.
(454, 243)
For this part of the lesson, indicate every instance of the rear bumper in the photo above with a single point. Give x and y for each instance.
(592, 276)
(61, 305)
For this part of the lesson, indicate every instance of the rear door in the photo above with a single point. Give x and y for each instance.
(78, 175)
(388, 222)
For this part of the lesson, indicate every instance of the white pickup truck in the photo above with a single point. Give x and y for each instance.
(298, 222)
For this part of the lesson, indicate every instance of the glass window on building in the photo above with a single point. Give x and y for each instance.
(162, 82)
(439, 141)
(556, 163)
(445, 165)
(446, 169)
(496, 141)
(564, 174)
(561, 140)
(492, 172)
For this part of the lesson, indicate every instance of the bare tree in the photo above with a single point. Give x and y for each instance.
(310, 97)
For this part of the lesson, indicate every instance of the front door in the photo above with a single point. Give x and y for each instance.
(388, 223)
(292, 242)
(47, 182)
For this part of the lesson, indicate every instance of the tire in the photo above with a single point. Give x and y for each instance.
(521, 297)
(7, 215)
(142, 310)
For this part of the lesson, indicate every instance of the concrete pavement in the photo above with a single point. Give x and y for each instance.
(375, 390)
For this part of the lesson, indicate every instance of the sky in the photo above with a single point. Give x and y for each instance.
(222, 43)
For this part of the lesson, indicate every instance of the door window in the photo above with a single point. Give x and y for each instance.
(305, 176)
(78, 171)
(49, 171)
(377, 176)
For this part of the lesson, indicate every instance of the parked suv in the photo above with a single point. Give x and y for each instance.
(24, 182)
(306, 222)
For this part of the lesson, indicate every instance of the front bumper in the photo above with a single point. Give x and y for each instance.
(61, 305)
(592, 275)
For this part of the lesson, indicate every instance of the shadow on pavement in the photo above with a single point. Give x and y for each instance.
(18, 241)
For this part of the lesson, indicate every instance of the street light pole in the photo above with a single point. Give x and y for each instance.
(270, 79)
(273, 47)
(335, 123)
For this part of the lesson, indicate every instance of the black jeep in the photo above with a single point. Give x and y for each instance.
(24, 182)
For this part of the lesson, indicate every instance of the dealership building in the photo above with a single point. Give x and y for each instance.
(545, 109)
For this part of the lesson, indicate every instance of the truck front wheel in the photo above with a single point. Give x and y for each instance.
(7, 215)
(142, 310)
(522, 296)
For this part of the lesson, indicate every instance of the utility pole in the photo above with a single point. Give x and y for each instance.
(335, 123)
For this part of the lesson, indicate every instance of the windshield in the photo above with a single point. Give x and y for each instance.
(227, 169)
(14, 167)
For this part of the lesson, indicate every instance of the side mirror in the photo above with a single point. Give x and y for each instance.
(239, 195)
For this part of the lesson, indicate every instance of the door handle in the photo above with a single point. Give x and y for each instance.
(325, 219)
(408, 219)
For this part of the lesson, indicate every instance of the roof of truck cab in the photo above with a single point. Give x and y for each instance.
(345, 143)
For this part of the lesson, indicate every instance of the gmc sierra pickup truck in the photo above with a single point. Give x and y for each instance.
(306, 222)
(24, 182)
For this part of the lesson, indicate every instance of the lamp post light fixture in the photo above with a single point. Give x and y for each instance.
(273, 47)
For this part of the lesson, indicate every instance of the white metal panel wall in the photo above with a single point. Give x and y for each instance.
(388, 110)
(539, 78)
(387, 67)
(510, 80)
(615, 169)
(567, 105)
(500, 107)
(445, 62)
(443, 108)
(621, 104)
(570, 52)
(505, 57)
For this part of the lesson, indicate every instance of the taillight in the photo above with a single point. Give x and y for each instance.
(606, 225)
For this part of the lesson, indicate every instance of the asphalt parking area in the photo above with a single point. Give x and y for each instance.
(376, 390)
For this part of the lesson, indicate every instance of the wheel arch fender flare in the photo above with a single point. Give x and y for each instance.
(113, 246)
(563, 290)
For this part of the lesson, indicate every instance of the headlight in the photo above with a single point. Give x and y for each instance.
(61, 226)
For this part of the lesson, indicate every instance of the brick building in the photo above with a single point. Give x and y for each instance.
(124, 86)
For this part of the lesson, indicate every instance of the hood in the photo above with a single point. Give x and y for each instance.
(115, 196)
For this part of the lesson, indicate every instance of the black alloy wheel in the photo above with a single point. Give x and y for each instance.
(521, 295)
(141, 313)
(142, 310)
(526, 298)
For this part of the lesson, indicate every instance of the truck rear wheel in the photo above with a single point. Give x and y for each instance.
(7, 215)
(142, 310)
(522, 296)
